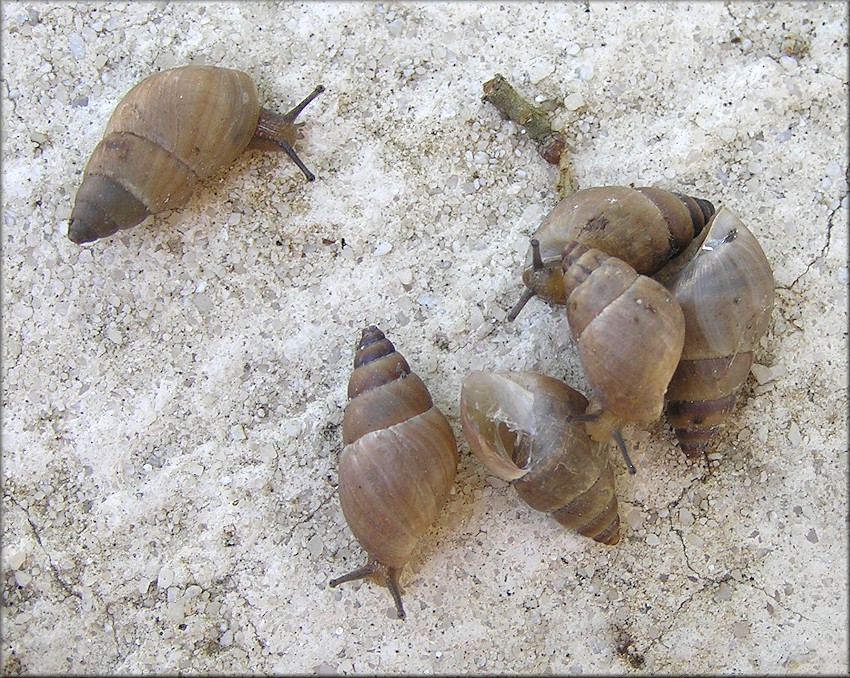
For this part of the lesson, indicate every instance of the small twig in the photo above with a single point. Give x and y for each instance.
(550, 143)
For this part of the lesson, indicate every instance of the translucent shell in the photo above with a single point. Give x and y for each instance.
(725, 289)
(629, 331)
(399, 459)
(518, 425)
(645, 227)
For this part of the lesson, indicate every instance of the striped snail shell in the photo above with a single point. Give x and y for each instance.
(725, 289)
(398, 463)
(172, 130)
(645, 227)
(628, 329)
(520, 427)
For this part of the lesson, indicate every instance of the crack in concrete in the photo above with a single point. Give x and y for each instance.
(65, 586)
(784, 607)
(307, 518)
(62, 583)
(824, 250)
(118, 656)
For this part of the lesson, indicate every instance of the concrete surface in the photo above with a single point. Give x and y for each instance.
(172, 396)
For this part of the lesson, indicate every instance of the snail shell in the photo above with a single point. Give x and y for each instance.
(645, 227)
(628, 328)
(398, 463)
(172, 130)
(519, 425)
(725, 289)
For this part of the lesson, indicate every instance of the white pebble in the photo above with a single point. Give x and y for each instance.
(685, 518)
(315, 546)
(383, 248)
(695, 540)
(728, 134)
(539, 70)
(405, 276)
(22, 578)
(78, 47)
(165, 578)
(762, 373)
(635, 519)
(788, 63)
(585, 72)
(573, 102)
(17, 559)
(794, 436)
(653, 540)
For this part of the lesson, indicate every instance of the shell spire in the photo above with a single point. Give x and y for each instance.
(398, 464)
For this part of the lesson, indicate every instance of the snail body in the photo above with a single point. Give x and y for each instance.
(172, 130)
(520, 427)
(398, 463)
(725, 289)
(645, 227)
(629, 331)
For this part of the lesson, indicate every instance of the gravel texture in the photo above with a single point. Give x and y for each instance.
(172, 395)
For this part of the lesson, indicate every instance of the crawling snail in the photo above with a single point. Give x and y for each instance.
(172, 130)
(725, 289)
(398, 463)
(519, 425)
(645, 227)
(629, 331)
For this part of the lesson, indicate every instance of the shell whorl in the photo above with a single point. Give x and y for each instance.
(518, 426)
(400, 454)
(726, 291)
(645, 227)
(628, 328)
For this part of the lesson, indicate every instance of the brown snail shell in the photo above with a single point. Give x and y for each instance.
(628, 329)
(725, 289)
(171, 131)
(520, 427)
(645, 227)
(398, 463)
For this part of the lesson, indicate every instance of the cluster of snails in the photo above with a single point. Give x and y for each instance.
(666, 300)
(671, 323)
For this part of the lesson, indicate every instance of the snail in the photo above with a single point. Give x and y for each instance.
(645, 227)
(725, 288)
(629, 331)
(519, 425)
(172, 130)
(398, 463)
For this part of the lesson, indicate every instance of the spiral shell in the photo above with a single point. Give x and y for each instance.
(171, 131)
(398, 463)
(519, 426)
(725, 289)
(645, 227)
(628, 328)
